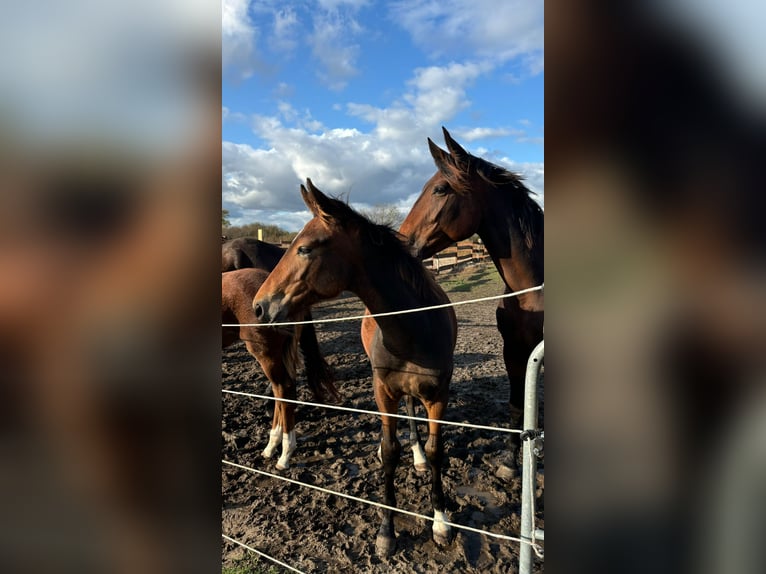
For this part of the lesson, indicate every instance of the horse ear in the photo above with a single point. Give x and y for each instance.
(462, 158)
(442, 159)
(309, 200)
(319, 204)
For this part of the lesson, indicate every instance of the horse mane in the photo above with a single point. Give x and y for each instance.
(526, 210)
(389, 250)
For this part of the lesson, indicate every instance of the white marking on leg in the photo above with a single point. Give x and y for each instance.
(441, 531)
(380, 453)
(274, 435)
(419, 457)
(288, 447)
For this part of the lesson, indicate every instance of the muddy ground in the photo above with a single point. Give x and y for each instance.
(317, 532)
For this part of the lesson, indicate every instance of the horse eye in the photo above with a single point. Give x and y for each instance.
(303, 250)
(440, 190)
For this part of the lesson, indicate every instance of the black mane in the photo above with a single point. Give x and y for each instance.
(526, 210)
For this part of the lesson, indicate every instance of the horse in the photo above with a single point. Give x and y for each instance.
(277, 353)
(410, 354)
(248, 252)
(469, 195)
(244, 252)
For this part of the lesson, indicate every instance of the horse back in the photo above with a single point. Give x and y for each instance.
(248, 252)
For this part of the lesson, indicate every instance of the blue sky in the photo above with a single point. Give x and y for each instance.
(347, 91)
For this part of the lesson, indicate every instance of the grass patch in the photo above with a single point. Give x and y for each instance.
(251, 564)
(467, 280)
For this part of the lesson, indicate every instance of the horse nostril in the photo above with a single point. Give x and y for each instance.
(258, 310)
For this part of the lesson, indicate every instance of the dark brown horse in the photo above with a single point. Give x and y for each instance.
(277, 353)
(411, 354)
(244, 252)
(470, 195)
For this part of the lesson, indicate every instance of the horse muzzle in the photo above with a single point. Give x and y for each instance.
(268, 310)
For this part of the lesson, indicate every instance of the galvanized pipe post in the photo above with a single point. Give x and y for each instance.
(529, 471)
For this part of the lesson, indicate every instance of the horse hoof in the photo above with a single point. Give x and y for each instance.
(385, 546)
(283, 465)
(441, 532)
(443, 539)
(421, 467)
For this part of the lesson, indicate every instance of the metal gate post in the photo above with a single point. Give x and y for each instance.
(529, 471)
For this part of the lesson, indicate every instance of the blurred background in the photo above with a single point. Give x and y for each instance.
(110, 122)
(109, 337)
(655, 274)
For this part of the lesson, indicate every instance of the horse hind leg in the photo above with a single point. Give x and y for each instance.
(442, 531)
(283, 427)
(275, 434)
(283, 424)
(418, 456)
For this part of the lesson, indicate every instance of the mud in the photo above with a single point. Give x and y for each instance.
(318, 532)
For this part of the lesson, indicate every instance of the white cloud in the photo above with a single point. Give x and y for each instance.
(262, 184)
(285, 32)
(387, 164)
(331, 46)
(335, 4)
(532, 172)
(348, 162)
(479, 133)
(238, 37)
(260, 36)
(436, 94)
(498, 31)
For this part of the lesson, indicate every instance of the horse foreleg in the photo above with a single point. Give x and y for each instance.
(418, 456)
(285, 425)
(442, 532)
(385, 543)
(515, 355)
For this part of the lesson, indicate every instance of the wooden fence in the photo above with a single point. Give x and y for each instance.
(457, 255)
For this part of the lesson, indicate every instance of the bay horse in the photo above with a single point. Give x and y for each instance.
(276, 352)
(244, 252)
(411, 354)
(249, 252)
(468, 195)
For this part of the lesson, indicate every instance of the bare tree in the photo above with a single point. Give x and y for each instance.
(384, 214)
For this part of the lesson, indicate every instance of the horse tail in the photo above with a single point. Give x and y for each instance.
(319, 375)
(291, 358)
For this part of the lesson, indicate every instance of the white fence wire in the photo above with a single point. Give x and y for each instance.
(521, 540)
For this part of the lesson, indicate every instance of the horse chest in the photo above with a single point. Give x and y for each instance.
(404, 376)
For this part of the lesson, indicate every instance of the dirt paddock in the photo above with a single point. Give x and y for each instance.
(318, 532)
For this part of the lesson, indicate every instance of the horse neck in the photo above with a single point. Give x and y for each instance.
(383, 292)
(500, 233)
